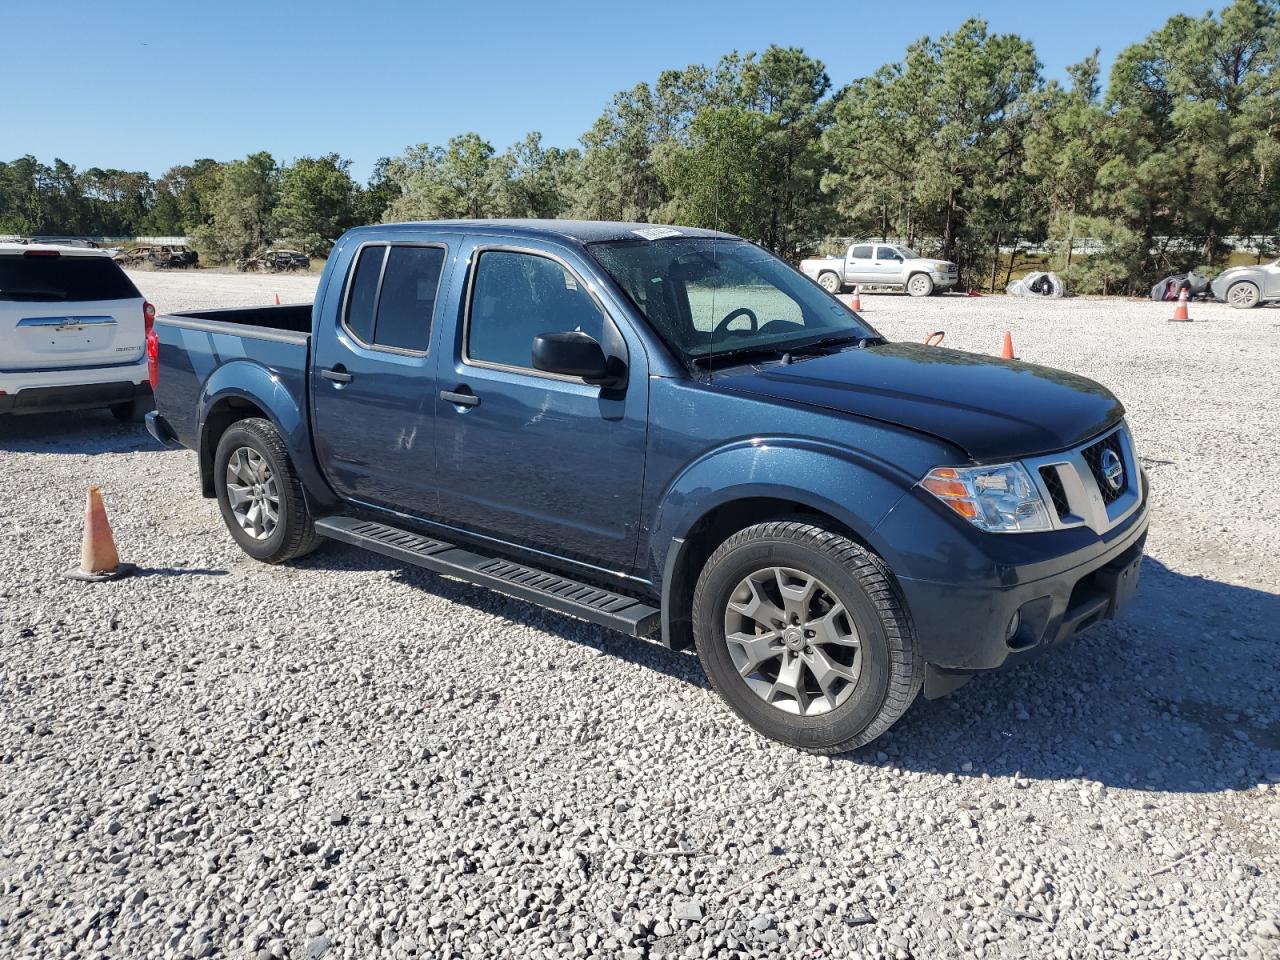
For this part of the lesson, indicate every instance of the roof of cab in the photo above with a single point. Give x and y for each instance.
(17, 248)
(582, 231)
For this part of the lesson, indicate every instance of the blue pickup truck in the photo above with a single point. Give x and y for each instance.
(671, 433)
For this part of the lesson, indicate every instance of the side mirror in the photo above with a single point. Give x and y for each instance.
(575, 354)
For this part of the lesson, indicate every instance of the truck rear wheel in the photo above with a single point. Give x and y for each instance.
(260, 495)
(829, 282)
(805, 636)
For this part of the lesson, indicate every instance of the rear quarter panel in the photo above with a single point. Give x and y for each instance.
(201, 367)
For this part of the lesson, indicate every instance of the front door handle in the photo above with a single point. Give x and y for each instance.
(467, 399)
(337, 375)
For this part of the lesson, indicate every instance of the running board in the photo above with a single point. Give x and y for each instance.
(603, 607)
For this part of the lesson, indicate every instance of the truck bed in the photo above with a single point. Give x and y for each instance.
(205, 354)
(286, 318)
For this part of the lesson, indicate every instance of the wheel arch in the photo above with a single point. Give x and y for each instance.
(688, 554)
(840, 283)
(243, 389)
(911, 275)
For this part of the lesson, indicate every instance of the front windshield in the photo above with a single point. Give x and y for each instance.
(708, 296)
(908, 253)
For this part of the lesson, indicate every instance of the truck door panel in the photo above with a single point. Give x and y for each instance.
(858, 267)
(543, 461)
(373, 376)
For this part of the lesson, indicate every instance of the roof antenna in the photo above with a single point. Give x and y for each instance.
(715, 269)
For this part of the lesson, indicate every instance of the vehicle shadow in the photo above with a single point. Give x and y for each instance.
(76, 432)
(1177, 695)
(1167, 698)
(179, 572)
(682, 666)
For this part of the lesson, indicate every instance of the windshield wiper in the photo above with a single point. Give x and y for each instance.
(738, 353)
(823, 343)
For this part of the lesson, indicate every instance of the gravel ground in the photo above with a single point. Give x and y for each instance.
(344, 758)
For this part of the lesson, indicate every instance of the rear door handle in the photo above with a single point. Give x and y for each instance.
(467, 399)
(337, 375)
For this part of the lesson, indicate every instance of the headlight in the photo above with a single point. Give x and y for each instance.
(999, 499)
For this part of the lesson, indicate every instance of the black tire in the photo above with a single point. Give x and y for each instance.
(135, 411)
(830, 281)
(294, 533)
(892, 671)
(1244, 295)
(918, 290)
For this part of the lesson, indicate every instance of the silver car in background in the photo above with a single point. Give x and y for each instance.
(882, 266)
(1245, 287)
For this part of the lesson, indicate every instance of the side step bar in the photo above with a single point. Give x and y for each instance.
(599, 606)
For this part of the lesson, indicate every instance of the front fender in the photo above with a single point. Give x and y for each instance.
(857, 489)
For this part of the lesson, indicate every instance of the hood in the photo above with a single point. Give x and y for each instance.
(992, 409)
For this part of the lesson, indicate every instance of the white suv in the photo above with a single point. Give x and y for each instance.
(73, 332)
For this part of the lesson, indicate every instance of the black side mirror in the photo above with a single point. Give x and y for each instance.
(575, 354)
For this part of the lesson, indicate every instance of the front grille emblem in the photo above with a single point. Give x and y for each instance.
(1112, 469)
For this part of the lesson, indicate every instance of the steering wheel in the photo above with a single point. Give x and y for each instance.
(723, 325)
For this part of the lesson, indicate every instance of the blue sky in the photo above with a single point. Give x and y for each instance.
(145, 85)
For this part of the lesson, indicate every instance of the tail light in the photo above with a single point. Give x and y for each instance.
(148, 316)
(153, 356)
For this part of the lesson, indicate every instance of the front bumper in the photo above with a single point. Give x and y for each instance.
(79, 396)
(964, 628)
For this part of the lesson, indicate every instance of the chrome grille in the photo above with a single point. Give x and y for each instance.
(1093, 456)
(1075, 482)
(1057, 493)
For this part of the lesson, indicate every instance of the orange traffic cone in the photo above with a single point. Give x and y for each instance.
(277, 299)
(1180, 314)
(98, 558)
(855, 301)
(1006, 351)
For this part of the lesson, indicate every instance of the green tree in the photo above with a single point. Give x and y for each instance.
(240, 219)
(714, 174)
(1193, 143)
(443, 183)
(378, 194)
(317, 203)
(933, 147)
(1065, 151)
(183, 198)
(118, 200)
(529, 180)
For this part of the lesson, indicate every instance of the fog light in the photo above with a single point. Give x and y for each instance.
(1014, 623)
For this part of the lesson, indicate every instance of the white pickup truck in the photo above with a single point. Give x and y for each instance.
(882, 266)
(72, 332)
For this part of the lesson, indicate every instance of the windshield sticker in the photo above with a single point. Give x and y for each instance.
(657, 233)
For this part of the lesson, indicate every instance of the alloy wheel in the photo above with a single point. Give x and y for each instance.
(792, 641)
(252, 493)
(1243, 295)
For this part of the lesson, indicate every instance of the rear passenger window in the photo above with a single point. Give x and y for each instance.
(39, 277)
(860, 253)
(517, 296)
(393, 295)
(408, 297)
(363, 295)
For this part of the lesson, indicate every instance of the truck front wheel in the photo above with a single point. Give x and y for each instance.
(259, 493)
(805, 635)
(920, 285)
(829, 282)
